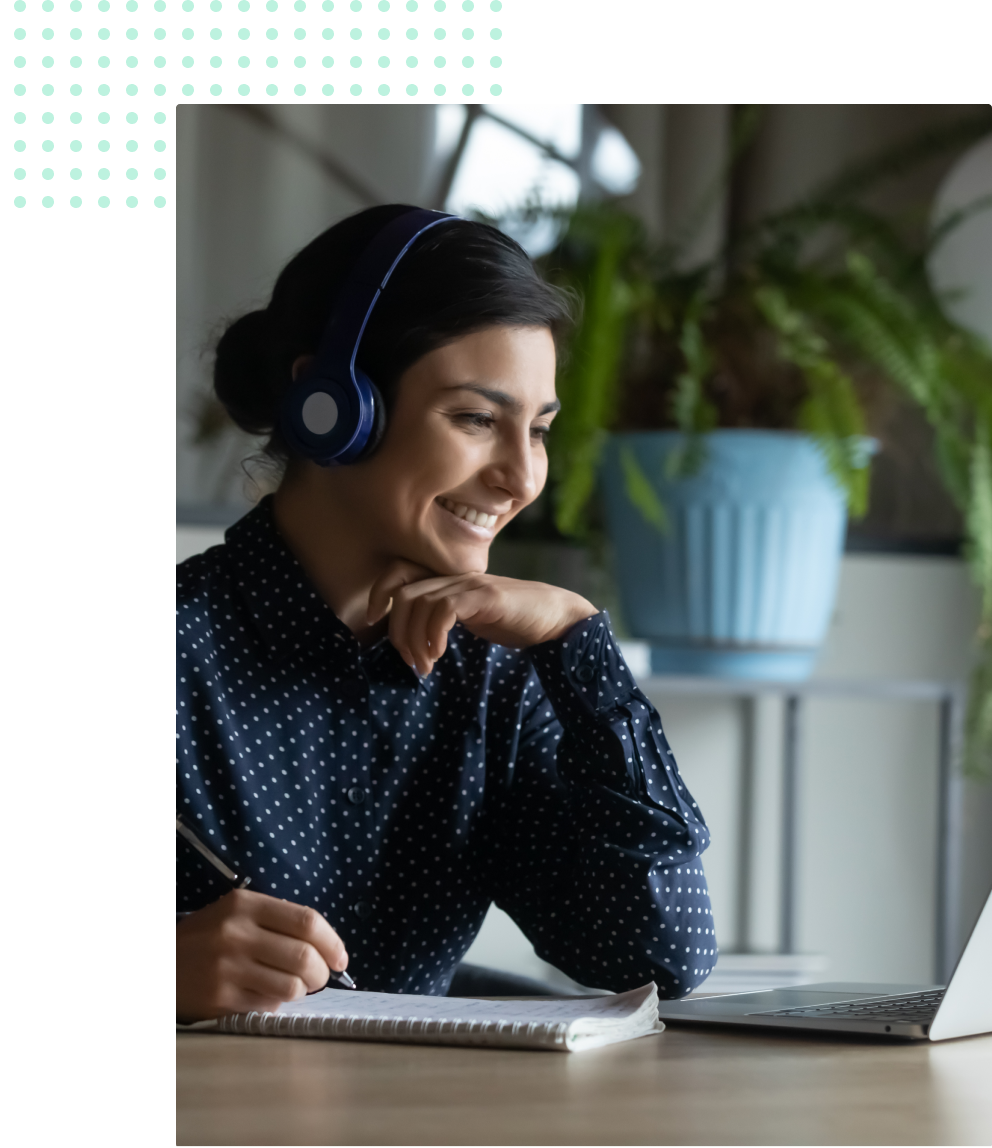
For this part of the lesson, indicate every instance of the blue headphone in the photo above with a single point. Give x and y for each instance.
(334, 414)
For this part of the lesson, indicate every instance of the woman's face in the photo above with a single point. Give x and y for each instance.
(464, 450)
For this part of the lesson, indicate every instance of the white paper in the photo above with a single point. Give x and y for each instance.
(570, 1024)
(349, 1003)
(564, 1024)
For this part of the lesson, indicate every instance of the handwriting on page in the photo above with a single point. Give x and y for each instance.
(335, 1002)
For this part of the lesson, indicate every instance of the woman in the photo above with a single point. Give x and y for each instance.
(384, 736)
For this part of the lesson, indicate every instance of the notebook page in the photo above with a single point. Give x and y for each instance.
(562, 1025)
(391, 1006)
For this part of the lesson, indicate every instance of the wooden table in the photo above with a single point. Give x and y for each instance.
(684, 1086)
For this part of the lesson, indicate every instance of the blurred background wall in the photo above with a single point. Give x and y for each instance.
(256, 184)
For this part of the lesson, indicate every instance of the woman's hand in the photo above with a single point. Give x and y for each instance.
(502, 610)
(250, 952)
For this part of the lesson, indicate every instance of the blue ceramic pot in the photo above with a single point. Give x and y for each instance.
(743, 582)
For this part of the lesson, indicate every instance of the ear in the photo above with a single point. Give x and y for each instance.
(300, 365)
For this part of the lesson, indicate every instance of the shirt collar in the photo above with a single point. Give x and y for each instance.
(289, 615)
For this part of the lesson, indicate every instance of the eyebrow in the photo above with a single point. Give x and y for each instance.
(502, 399)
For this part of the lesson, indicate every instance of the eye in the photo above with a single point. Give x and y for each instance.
(476, 420)
(540, 433)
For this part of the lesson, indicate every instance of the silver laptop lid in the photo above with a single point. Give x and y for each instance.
(966, 1009)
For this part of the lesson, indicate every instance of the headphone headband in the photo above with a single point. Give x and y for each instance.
(334, 414)
(342, 336)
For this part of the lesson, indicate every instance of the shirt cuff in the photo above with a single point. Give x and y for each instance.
(583, 673)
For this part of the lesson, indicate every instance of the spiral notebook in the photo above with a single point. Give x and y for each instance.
(570, 1024)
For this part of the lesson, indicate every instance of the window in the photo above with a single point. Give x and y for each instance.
(517, 165)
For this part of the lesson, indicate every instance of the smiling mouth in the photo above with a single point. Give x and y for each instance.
(478, 518)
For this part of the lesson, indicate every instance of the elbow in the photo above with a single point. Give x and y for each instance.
(678, 978)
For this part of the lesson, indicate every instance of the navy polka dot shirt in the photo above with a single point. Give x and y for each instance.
(401, 808)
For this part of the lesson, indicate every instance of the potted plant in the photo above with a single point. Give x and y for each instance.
(682, 384)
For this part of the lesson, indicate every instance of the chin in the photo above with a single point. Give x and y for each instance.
(468, 560)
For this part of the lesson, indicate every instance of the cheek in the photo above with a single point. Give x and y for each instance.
(436, 459)
(411, 472)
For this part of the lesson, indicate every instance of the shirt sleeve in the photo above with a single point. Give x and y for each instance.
(599, 852)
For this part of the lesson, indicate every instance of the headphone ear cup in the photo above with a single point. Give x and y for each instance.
(378, 421)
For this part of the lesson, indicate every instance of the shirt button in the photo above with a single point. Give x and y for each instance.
(356, 795)
(585, 673)
(363, 910)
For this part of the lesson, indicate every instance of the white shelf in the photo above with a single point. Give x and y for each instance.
(753, 972)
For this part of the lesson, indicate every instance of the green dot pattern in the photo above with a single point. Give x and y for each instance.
(95, 82)
(93, 111)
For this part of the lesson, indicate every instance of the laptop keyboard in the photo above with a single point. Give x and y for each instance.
(913, 1008)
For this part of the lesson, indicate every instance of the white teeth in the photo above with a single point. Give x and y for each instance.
(478, 517)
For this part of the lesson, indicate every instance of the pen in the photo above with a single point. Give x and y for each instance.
(185, 829)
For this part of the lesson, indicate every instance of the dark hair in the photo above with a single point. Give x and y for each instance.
(459, 278)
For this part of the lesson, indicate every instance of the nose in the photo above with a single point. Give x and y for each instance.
(513, 468)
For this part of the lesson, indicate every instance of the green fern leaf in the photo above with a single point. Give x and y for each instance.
(641, 493)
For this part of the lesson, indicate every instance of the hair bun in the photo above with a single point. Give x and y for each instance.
(242, 373)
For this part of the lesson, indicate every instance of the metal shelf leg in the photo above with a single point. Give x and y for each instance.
(745, 829)
(949, 830)
(788, 883)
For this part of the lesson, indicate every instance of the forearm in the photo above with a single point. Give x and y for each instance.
(612, 735)
(626, 900)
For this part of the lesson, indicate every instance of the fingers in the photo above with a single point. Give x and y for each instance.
(438, 618)
(411, 601)
(304, 924)
(423, 608)
(251, 951)
(398, 574)
(411, 631)
(249, 976)
(407, 629)
(241, 984)
(421, 625)
(423, 617)
(291, 958)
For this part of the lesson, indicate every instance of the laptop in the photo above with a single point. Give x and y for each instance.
(900, 1012)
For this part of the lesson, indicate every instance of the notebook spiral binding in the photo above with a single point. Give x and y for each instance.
(419, 1030)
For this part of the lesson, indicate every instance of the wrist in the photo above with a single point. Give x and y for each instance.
(576, 609)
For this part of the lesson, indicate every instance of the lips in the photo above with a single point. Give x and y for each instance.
(470, 513)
